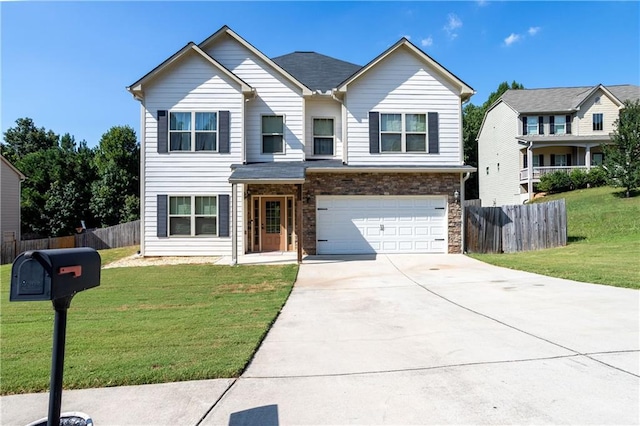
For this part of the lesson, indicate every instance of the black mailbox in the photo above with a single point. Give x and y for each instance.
(53, 274)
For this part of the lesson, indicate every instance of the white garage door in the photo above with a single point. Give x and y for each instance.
(381, 224)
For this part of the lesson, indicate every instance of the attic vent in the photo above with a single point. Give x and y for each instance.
(597, 100)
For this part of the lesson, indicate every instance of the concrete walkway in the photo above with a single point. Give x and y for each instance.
(407, 339)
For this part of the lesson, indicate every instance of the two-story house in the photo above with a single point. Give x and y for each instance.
(527, 133)
(242, 153)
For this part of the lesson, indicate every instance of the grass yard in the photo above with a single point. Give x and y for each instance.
(145, 325)
(604, 241)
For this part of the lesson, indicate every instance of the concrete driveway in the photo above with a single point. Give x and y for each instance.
(408, 340)
(403, 339)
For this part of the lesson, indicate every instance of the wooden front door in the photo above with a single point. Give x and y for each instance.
(272, 227)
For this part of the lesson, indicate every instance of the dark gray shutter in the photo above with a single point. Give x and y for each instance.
(568, 159)
(541, 162)
(434, 133)
(223, 215)
(223, 131)
(163, 216)
(553, 160)
(526, 157)
(541, 125)
(163, 132)
(374, 132)
(568, 118)
(552, 125)
(524, 126)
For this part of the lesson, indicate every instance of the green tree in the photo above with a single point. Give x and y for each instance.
(472, 117)
(25, 138)
(116, 193)
(622, 156)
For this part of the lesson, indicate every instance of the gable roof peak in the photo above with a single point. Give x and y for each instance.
(465, 93)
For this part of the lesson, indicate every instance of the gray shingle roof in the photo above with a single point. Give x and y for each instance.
(295, 171)
(561, 99)
(316, 71)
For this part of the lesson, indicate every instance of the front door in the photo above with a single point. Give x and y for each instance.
(272, 226)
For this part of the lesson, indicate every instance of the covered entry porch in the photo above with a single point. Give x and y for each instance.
(272, 213)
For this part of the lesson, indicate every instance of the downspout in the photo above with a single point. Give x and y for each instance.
(463, 216)
(343, 111)
(143, 171)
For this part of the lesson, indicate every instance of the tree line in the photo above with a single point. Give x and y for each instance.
(68, 183)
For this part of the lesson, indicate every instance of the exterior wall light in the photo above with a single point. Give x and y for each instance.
(456, 196)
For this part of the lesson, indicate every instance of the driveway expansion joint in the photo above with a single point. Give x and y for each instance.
(577, 353)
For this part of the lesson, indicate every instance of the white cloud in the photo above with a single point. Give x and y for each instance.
(511, 39)
(533, 31)
(426, 42)
(453, 23)
(482, 2)
(408, 37)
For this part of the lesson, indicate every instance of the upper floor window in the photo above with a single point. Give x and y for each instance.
(598, 121)
(532, 126)
(403, 133)
(193, 215)
(187, 127)
(323, 136)
(558, 124)
(272, 134)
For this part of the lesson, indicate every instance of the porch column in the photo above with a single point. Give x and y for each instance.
(234, 223)
(299, 222)
(587, 157)
(530, 171)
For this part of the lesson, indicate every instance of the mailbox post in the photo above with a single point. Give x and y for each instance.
(55, 275)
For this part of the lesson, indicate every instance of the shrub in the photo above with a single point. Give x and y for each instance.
(578, 178)
(555, 182)
(597, 176)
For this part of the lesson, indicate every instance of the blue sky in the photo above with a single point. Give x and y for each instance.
(66, 64)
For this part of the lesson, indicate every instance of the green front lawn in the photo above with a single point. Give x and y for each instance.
(145, 325)
(604, 241)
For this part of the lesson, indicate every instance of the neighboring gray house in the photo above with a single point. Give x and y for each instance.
(527, 133)
(10, 182)
(243, 153)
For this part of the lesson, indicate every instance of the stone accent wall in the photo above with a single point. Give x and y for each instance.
(369, 184)
(380, 184)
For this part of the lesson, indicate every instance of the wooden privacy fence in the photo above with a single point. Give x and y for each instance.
(509, 229)
(123, 235)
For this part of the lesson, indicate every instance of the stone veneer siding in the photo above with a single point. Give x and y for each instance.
(380, 184)
(369, 184)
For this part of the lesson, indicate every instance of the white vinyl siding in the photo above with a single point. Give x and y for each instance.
(323, 108)
(401, 83)
(275, 96)
(192, 85)
(499, 158)
(607, 108)
(10, 203)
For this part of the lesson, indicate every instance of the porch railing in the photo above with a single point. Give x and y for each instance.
(541, 171)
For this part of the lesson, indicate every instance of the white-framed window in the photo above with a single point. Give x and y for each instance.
(403, 132)
(193, 215)
(272, 134)
(597, 158)
(532, 125)
(193, 131)
(560, 124)
(323, 137)
(598, 121)
(560, 160)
